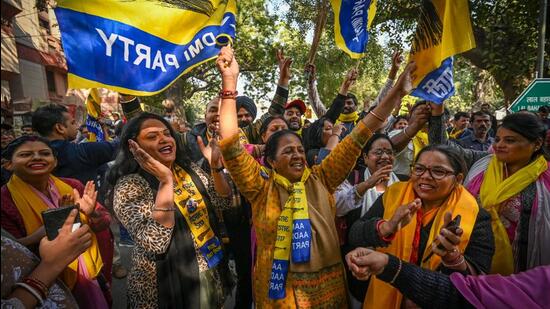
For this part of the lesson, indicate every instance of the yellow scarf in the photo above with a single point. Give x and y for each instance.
(293, 233)
(420, 140)
(346, 118)
(495, 190)
(31, 206)
(460, 202)
(193, 208)
(242, 137)
(455, 133)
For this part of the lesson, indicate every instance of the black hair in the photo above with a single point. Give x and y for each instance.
(125, 163)
(352, 97)
(398, 118)
(479, 114)
(312, 137)
(46, 117)
(26, 126)
(544, 109)
(7, 153)
(118, 128)
(272, 144)
(267, 122)
(374, 138)
(457, 161)
(529, 126)
(461, 115)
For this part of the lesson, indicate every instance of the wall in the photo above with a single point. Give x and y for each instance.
(33, 80)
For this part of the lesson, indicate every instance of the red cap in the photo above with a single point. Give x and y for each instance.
(299, 104)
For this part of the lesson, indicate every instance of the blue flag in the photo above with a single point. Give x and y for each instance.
(352, 19)
(140, 47)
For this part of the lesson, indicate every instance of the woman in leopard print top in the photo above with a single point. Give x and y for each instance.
(168, 268)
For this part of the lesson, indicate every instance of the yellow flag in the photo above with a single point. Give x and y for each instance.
(93, 108)
(444, 29)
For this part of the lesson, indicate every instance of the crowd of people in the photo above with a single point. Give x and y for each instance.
(365, 206)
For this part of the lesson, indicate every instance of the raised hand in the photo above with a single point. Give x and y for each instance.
(404, 82)
(87, 201)
(402, 216)
(150, 164)
(228, 68)
(396, 61)
(338, 129)
(350, 79)
(420, 116)
(311, 72)
(284, 67)
(212, 152)
(437, 109)
(381, 175)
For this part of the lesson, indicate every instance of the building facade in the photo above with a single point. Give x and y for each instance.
(34, 70)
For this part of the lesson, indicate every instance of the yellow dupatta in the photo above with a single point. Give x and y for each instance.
(495, 190)
(193, 208)
(31, 206)
(420, 140)
(346, 118)
(242, 137)
(460, 202)
(455, 133)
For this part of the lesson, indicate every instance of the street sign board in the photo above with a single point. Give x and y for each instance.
(537, 94)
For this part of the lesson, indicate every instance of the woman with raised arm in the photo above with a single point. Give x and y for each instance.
(299, 262)
(168, 204)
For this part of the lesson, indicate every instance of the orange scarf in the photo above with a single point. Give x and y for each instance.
(460, 202)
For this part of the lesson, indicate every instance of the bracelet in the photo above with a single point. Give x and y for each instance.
(357, 193)
(334, 134)
(388, 238)
(37, 285)
(32, 291)
(462, 260)
(164, 209)
(376, 116)
(407, 135)
(398, 271)
(228, 94)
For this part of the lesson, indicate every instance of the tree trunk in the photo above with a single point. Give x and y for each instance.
(510, 88)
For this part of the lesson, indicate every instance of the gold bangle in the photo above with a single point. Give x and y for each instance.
(164, 209)
(376, 116)
(397, 273)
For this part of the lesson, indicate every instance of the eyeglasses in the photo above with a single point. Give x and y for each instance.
(380, 152)
(436, 172)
